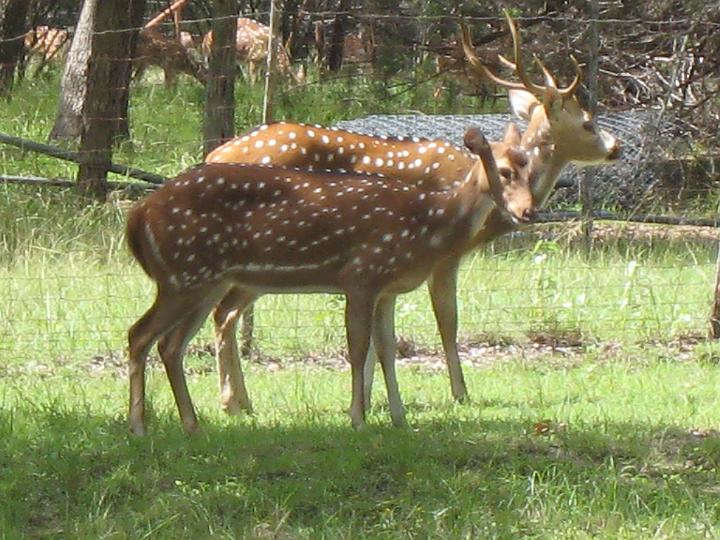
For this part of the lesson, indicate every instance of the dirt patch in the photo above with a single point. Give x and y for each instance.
(610, 231)
(481, 352)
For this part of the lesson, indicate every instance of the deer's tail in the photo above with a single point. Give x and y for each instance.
(136, 233)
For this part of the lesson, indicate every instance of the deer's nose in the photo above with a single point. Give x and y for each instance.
(529, 214)
(615, 153)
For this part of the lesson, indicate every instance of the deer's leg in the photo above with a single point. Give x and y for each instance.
(163, 315)
(252, 72)
(172, 348)
(139, 71)
(443, 293)
(384, 339)
(358, 324)
(370, 363)
(233, 393)
(169, 77)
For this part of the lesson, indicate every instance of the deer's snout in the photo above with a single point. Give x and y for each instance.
(616, 152)
(529, 214)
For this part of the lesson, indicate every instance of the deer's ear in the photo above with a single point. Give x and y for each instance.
(518, 156)
(552, 102)
(475, 140)
(521, 103)
(512, 135)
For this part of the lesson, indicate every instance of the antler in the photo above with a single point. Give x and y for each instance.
(478, 65)
(517, 66)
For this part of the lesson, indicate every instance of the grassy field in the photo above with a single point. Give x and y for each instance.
(72, 294)
(618, 446)
(614, 437)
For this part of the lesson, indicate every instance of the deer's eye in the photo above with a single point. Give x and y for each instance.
(505, 172)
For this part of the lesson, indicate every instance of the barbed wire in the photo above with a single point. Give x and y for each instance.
(424, 18)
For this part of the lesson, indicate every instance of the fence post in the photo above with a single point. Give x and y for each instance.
(248, 322)
(715, 315)
(586, 179)
(219, 118)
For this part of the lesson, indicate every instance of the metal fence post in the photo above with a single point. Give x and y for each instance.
(586, 179)
(248, 322)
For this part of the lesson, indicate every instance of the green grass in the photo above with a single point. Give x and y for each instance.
(84, 304)
(616, 441)
(612, 447)
(71, 290)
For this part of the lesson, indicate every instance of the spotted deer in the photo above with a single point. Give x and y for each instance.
(426, 164)
(156, 49)
(559, 132)
(256, 229)
(358, 46)
(46, 44)
(252, 39)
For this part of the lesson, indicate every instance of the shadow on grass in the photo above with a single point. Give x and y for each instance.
(83, 475)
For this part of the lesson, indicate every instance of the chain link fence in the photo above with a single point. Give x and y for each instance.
(73, 294)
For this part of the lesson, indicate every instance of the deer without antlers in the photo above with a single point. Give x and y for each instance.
(251, 42)
(170, 54)
(46, 44)
(259, 229)
(559, 132)
(426, 164)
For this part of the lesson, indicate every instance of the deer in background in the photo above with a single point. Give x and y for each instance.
(46, 44)
(171, 55)
(252, 39)
(559, 132)
(257, 230)
(450, 60)
(359, 46)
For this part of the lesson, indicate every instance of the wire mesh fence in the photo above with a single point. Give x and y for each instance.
(84, 313)
(71, 291)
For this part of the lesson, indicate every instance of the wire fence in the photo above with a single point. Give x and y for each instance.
(84, 313)
(398, 74)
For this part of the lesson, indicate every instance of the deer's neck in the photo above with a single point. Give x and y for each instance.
(466, 208)
(546, 166)
(547, 177)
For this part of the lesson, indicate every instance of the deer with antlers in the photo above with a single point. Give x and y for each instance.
(257, 229)
(559, 132)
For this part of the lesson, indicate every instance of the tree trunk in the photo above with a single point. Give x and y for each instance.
(293, 15)
(289, 16)
(108, 81)
(68, 122)
(13, 26)
(219, 120)
(337, 41)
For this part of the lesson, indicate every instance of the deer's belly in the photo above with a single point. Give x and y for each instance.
(279, 279)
